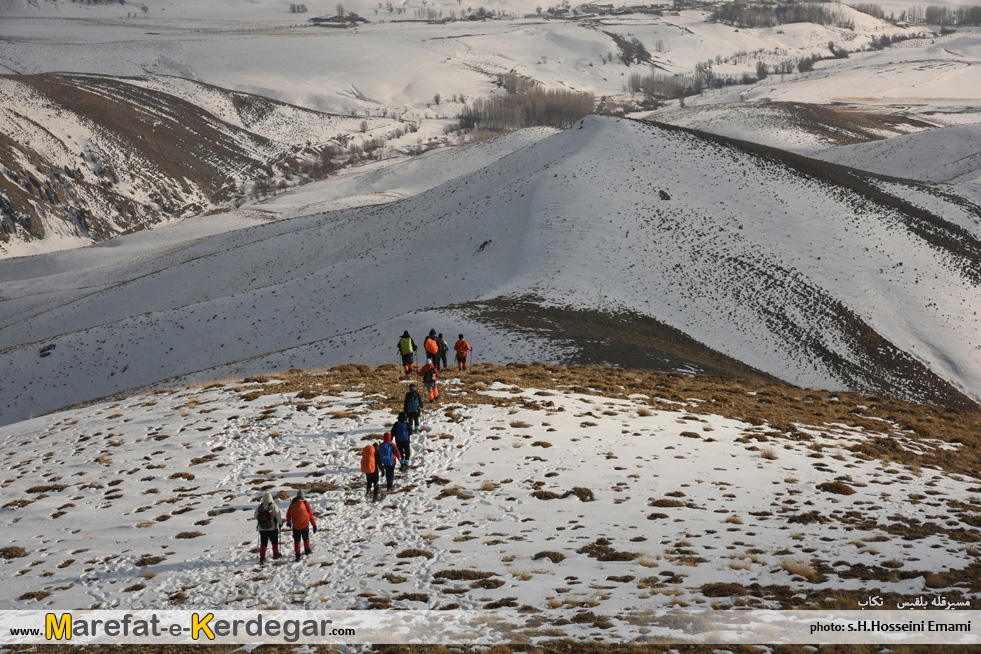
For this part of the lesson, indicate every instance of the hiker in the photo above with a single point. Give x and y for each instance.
(300, 517)
(462, 348)
(432, 347)
(430, 375)
(412, 407)
(370, 467)
(388, 452)
(269, 521)
(400, 432)
(444, 347)
(407, 348)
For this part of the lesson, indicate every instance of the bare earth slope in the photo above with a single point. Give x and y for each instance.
(813, 273)
(85, 157)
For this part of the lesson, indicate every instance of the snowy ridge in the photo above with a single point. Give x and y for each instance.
(817, 277)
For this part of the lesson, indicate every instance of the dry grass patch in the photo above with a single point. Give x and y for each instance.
(189, 534)
(836, 487)
(799, 567)
(37, 595)
(149, 559)
(414, 553)
(554, 557)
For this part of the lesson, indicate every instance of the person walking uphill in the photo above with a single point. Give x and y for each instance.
(462, 349)
(300, 518)
(444, 347)
(269, 521)
(430, 376)
(400, 432)
(370, 466)
(412, 407)
(389, 455)
(432, 348)
(407, 348)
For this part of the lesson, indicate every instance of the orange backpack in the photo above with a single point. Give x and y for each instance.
(368, 459)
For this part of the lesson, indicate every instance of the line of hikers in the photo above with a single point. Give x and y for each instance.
(436, 348)
(394, 450)
(299, 518)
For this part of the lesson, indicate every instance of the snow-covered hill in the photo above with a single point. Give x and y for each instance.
(85, 158)
(810, 272)
(951, 155)
(556, 490)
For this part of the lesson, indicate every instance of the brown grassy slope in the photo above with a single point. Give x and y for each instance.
(775, 404)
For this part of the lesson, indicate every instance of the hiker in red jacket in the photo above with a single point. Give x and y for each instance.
(300, 517)
(430, 375)
(462, 349)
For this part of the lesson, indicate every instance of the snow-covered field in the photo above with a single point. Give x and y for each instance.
(517, 497)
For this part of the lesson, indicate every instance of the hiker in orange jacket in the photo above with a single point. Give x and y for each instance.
(431, 345)
(462, 349)
(430, 375)
(370, 466)
(300, 517)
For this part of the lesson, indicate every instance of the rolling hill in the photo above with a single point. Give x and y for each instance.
(85, 158)
(701, 253)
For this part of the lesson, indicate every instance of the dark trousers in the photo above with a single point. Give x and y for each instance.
(442, 358)
(413, 417)
(390, 476)
(267, 537)
(404, 450)
(301, 534)
(372, 482)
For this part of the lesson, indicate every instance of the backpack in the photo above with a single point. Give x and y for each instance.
(429, 377)
(412, 403)
(387, 452)
(405, 345)
(266, 520)
(368, 459)
(400, 431)
(300, 514)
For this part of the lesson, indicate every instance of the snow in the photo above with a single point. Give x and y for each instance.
(137, 473)
(543, 220)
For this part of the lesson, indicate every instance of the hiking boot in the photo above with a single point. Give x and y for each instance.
(308, 551)
(262, 560)
(298, 556)
(277, 555)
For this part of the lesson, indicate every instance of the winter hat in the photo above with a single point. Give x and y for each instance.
(428, 360)
(267, 498)
(440, 336)
(402, 416)
(388, 437)
(461, 335)
(412, 387)
(432, 332)
(299, 494)
(405, 334)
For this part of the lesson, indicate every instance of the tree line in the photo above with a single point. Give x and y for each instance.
(525, 104)
(769, 16)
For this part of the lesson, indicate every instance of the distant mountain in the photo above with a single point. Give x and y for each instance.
(612, 242)
(86, 157)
